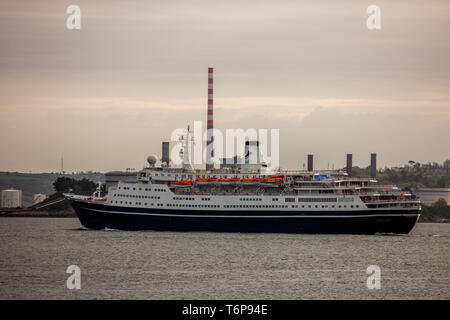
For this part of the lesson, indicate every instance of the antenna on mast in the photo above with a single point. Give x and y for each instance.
(62, 165)
(185, 151)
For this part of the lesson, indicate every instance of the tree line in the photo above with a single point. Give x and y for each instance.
(82, 187)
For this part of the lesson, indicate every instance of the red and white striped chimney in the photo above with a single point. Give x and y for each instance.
(210, 124)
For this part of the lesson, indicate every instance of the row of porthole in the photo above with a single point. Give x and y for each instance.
(193, 205)
(233, 206)
(126, 202)
(145, 189)
(136, 196)
(317, 199)
(256, 206)
(325, 206)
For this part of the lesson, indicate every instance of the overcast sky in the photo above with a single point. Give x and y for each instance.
(105, 96)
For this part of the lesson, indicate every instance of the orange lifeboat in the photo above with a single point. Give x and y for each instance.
(212, 179)
(224, 180)
(250, 180)
(184, 182)
(272, 180)
(201, 180)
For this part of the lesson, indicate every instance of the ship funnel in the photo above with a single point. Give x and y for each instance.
(165, 159)
(373, 165)
(310, 162)
(349, 164)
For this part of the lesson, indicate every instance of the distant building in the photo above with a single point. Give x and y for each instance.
(11, 198)
(430, 195)
(39, 197)
(113, 177)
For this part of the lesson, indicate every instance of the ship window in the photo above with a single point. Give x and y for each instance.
(357, 206)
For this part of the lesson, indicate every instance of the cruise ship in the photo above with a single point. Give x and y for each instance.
(245, 199)
(246, 196)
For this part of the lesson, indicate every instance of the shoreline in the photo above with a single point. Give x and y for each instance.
(39, 214)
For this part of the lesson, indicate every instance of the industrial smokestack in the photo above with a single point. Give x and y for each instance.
(373, 165)
(165, 153)
(310, 162)
(349, 164)
(210, 124)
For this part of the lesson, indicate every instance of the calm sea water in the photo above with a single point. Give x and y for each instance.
(35, 253)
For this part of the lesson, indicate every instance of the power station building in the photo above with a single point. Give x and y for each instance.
(11, 198)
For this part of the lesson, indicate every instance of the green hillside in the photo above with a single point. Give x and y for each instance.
(32, 183)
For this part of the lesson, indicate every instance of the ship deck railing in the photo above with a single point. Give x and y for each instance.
(392, 201)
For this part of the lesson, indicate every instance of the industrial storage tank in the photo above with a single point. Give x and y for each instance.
(11, 198)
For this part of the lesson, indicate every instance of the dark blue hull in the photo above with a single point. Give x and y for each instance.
(99, 216)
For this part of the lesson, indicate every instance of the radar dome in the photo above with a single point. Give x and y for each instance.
(152, 160)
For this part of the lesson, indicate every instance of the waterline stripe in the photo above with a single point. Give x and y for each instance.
(280, 216)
